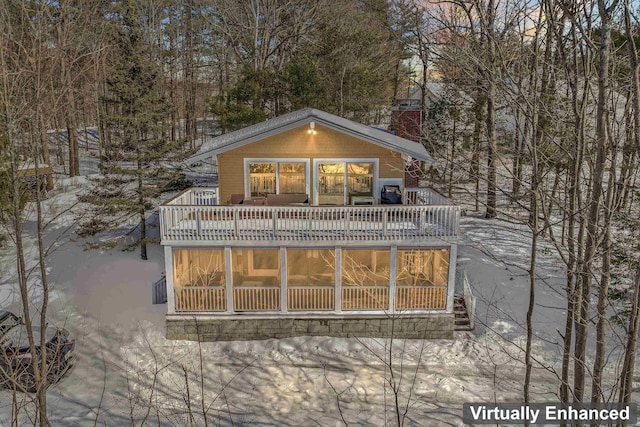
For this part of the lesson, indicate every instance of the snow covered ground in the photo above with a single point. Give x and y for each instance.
(126, 370)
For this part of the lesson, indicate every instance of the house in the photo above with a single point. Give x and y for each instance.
(311, 230)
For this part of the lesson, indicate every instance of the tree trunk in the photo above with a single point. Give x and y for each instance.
(631, 349)
(491, 112)
(41, 379)
(190, 86)
(532, 274)
(478, 122)
(626, 380)
(142, 211)
(72, 134)
(453, 157)
(575, 206)
(592, 235)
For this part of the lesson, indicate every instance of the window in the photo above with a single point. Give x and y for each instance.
(291, 178)
(365, 267)
(311, 279)
(256, 267)
(264, 262)
(198, 267)
(262, 178)
(422, 267)
(365, 279)
(421, 279)
(311, 267)
(276, 177)
(256, 279)
(360, 179)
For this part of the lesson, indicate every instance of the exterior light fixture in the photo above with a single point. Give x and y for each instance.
(312, 128)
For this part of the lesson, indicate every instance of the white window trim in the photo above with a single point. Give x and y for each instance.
(277, 161)
(345, 160)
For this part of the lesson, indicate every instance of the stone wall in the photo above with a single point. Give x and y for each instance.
(432, 326)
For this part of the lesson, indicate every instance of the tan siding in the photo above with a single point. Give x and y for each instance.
(297, 143)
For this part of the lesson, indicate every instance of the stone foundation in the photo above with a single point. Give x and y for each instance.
(428, 326)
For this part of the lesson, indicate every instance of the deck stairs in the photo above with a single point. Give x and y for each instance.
(159, 291)
(462, 319)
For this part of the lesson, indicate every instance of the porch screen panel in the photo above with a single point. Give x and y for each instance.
(311, 279)
(291, 178)
(365, 279)
(421, 278)
(262, 178)
(256, 279)
(199, 279)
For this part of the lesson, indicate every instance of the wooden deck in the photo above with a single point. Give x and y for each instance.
(194, 216)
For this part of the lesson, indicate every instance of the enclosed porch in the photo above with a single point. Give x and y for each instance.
(302, 280)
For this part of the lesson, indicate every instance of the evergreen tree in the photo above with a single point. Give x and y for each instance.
(133, 173)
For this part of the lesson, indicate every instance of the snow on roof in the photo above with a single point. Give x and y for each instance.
(292, 120)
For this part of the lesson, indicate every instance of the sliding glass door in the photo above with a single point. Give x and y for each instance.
(331, 189)
(338, 181)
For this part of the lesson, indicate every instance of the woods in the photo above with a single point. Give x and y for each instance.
(531, 110)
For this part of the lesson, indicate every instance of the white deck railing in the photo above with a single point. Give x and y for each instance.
(421, 297)
(469, 299)
(424, 197)
(207, 196)
(200, 298)
(309, 298)
(365, 298)
(194, 216)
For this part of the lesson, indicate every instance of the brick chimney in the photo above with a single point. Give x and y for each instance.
(406, 122)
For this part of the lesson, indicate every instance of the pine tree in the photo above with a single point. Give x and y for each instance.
(133, 173)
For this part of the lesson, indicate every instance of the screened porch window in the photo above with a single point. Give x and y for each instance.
(198, 267)
(277, 178)
(421, 279)
(311, 279)
(199, 279)
(365, 279)
(256, 279)
(422, 267)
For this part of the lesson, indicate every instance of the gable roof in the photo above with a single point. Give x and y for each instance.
(294, 119)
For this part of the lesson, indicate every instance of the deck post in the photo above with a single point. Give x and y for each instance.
(385, 217)
(338, 280)
(283, 280)
(347, 219)
(228, 278)
(168, 265)
(392, 278)
(451, 284)
(235, 223)
(274, 222)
